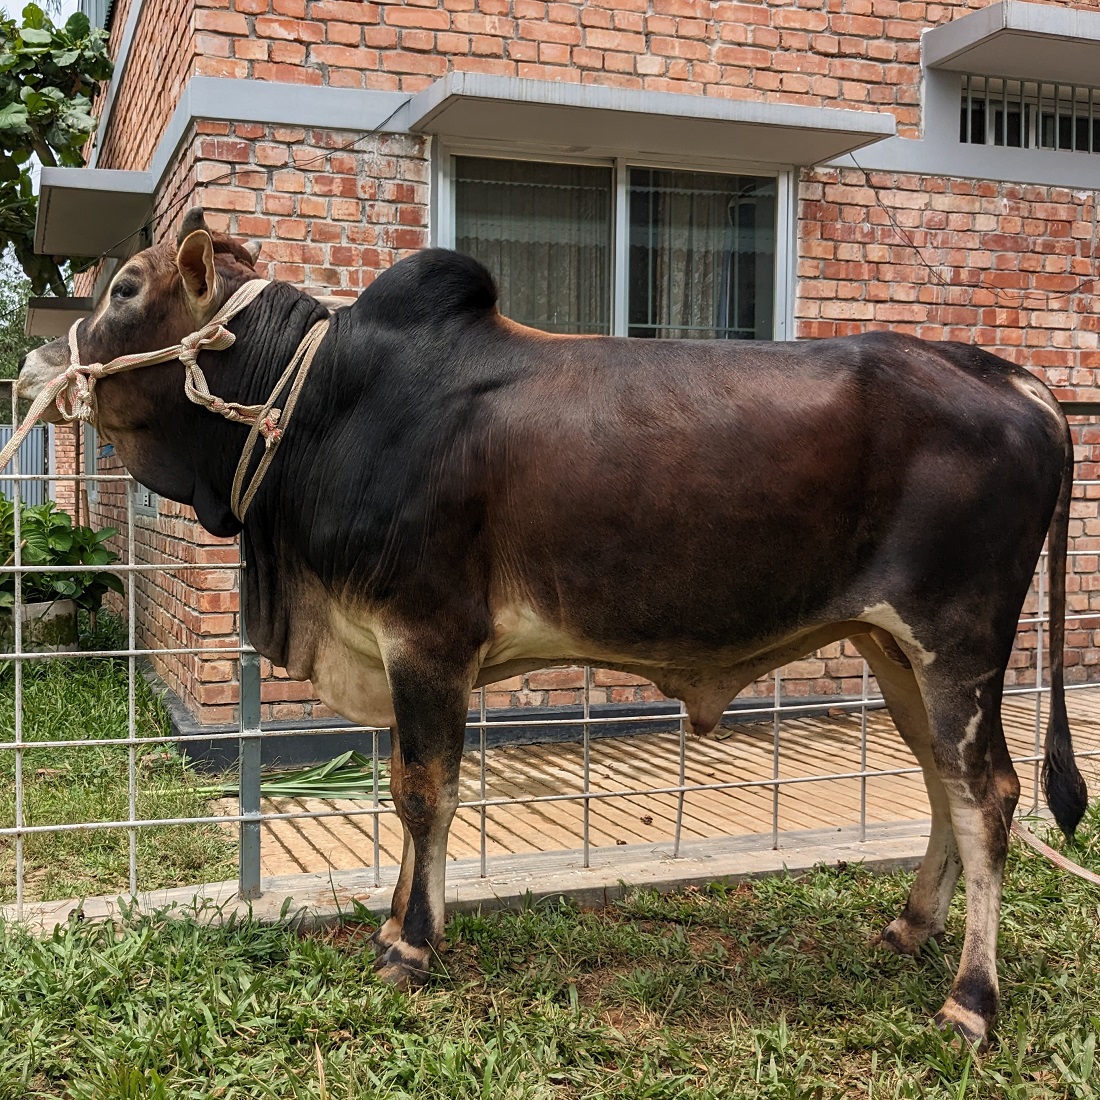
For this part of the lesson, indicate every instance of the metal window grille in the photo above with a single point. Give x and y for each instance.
(1029, 114)
(685, 790)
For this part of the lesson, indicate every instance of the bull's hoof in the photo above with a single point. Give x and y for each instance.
(404, 967)
(965, 1024)
(386, 935)
(905, 938)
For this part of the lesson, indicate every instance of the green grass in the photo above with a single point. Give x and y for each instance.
(763, 991)
(87, 698)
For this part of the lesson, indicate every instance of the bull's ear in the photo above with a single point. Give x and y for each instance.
(195, 261)
(253, 249)
(193, 220)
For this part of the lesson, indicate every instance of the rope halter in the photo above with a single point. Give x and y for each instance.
(73, 390)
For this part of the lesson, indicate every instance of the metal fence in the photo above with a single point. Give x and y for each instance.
(779, 775)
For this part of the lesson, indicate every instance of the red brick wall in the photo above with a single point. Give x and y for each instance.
(161, 59)
(856, 53)
(1008, 266)
(330, 219)
(188, 602)
(863, 54)
(64, 459)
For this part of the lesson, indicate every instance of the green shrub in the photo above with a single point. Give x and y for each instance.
(48, 537)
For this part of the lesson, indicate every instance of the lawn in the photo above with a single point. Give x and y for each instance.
(764, 990)
(65, 699)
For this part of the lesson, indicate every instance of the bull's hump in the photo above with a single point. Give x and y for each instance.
(427, 288)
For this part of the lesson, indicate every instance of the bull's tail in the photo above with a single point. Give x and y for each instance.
(1064, 786)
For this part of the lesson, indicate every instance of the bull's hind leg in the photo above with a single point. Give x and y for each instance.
(968, 744)
(925, 912)
(430, 706)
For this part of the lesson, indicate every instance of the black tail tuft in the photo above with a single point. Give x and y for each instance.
(1063, 784)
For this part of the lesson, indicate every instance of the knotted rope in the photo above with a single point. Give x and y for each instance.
(73, 390)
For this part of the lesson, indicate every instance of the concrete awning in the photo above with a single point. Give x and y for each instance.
(51, 317)
(1020, 41)
(614, 121)
(92, 211)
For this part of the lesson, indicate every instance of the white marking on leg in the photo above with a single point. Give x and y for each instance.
(970, 734)
(886, 616)
(925, 913)
(930, 896)
(983, 886)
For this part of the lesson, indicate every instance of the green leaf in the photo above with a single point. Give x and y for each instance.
(33, 37)
(14, 117)
(78, 25)
(34, 16)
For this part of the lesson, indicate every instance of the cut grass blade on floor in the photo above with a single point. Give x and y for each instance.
(348, 776)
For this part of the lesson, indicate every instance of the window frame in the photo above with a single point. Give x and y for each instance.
(442, 220)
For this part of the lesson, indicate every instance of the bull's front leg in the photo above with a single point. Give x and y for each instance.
(430, 703)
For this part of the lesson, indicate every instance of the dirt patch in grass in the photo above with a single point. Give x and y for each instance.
(346, 936)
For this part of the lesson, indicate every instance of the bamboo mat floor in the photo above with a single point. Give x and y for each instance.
(817, 746)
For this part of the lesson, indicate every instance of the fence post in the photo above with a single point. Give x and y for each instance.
(248, 857)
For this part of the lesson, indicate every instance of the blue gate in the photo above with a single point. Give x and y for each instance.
(34, 459)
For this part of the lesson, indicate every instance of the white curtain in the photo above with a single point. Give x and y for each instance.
(702, 254)
(544, 231)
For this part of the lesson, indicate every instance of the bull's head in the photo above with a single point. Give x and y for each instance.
(155, 299)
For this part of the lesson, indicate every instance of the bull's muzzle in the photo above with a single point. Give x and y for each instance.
(41, 366)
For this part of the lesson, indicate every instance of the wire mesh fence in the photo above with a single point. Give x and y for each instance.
(582, 779)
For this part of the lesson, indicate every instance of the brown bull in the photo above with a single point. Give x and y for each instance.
(460, 499)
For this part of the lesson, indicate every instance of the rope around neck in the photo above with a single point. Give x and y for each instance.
(73, 390)
(298, 369)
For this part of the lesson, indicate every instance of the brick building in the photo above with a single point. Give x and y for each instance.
(718, 168)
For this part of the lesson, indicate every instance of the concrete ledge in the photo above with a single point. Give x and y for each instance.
(516, 881)
(1019, 40)
(604, 120)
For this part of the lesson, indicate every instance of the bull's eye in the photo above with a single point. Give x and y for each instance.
(125, 289)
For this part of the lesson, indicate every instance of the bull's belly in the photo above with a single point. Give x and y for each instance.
(349, 668)
(705, 681)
